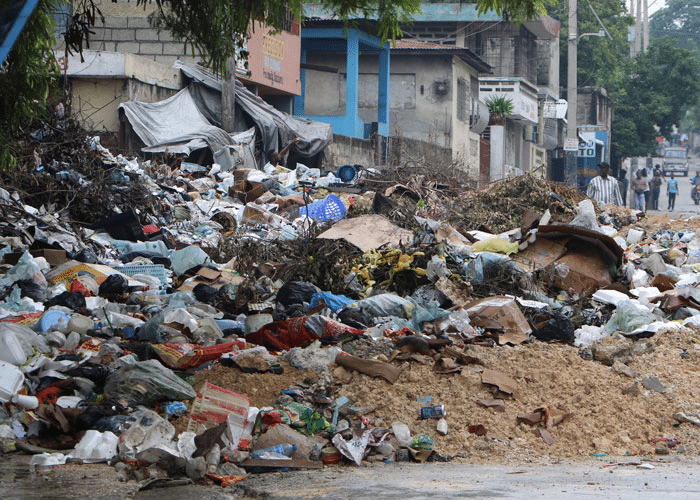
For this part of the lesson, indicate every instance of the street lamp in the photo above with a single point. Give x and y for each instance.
(599, 33)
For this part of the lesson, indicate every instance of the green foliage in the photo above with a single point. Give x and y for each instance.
(513, 10)
(27, 78)
(680, 20)
(217, 28)
(500, 106)
(662, 85)
(601, 62)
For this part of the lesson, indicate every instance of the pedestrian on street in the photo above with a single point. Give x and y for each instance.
(624, 186)
(639, 187)
(656, 182)
(603, 188)
(694, 182)
(672, 189)
(647, 193)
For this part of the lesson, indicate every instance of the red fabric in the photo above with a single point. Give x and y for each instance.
(149, 228)
(49, 395)
(284, 335)
(77, 286)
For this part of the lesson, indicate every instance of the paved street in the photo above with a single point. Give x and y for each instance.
(684, 203)
(628, 479)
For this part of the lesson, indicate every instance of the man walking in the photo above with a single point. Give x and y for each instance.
(656, 182)
(639, 187)
(671, 189)
(603, 188)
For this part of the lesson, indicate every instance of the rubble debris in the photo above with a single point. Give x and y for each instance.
(193, 325)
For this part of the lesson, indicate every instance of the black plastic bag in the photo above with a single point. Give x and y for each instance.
(31, 289)
(296, 292)
(72, 300)
(114, 284)
(549, 325)
(86, 255)
(205, 293)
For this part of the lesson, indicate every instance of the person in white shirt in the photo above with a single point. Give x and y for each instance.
(603, 188)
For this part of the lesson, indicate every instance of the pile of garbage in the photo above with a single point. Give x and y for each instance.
(214, 323)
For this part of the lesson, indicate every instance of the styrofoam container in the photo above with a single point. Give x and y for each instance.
(11, 349)
(96, 446)
(11, 380)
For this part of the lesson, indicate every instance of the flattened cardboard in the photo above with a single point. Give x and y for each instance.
(369, 367)
(212, 277)
(502, 381)
(540, 254)
(504, 311)
(368, 232)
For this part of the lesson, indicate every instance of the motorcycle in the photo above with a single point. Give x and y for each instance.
(696, 194)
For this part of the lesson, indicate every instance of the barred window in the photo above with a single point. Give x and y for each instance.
(462, 102)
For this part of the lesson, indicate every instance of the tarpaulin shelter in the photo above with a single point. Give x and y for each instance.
(191, 119)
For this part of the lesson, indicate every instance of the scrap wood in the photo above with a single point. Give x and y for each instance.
(495, 405)
(546, 436)
(547, 416)
(465, 359)
(369, 367)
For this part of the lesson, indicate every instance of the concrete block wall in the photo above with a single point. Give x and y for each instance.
(127, 29)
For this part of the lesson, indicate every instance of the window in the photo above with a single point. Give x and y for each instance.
(462, 102)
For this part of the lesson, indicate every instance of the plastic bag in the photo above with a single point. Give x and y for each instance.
(187, 258)
(296, 292)
(31, 289)
(313, 357)
(148, 431)
(147, 383)
(628, 316)
(73, 300)
(332, 301)
(114, 284)
(488, 264)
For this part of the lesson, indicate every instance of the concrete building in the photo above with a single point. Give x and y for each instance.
(525, 68)
(432, 98)
(127, 60)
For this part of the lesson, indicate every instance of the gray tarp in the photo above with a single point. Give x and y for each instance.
(276, 128)
(176, 125)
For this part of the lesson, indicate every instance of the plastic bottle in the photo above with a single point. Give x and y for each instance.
(285, 449)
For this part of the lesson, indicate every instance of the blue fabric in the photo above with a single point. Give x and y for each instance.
(332, 301)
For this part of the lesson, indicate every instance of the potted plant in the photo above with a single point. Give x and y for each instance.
(500, 108)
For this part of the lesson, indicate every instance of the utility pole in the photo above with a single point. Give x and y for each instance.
(645, 22)
(638, 29)
(571, 168)
(629, 38)
(228, 96)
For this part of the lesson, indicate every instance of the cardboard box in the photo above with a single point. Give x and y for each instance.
(53, 257)
(501, 312)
